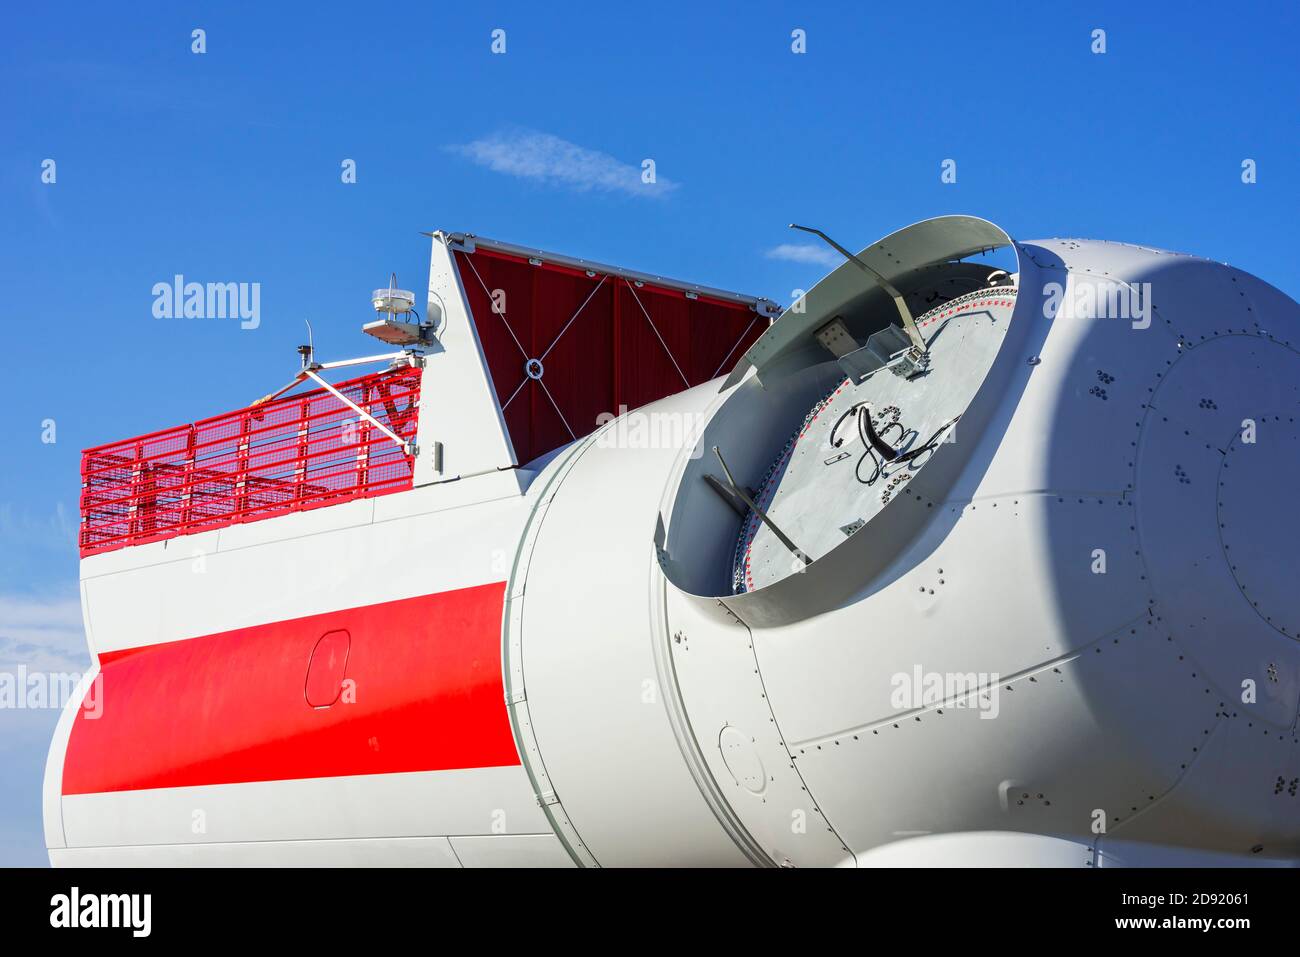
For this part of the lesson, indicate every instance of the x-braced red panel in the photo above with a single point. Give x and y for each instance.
(565, 347)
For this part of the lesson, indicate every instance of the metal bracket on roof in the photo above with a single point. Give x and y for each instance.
(310, 372)
(905, 314)
(394, 359)
(405, 446)
(464, 242)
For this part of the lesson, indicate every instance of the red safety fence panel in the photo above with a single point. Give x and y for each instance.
(289, 455)
(604, 343)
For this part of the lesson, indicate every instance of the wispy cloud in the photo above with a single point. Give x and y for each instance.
(805, 253)
(43, 633)
(545, 158)
(40, 635)
(22, 527)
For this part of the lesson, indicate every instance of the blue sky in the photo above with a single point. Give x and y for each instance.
(225, 166)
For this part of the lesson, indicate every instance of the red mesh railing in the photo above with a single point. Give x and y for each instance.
(295, 453)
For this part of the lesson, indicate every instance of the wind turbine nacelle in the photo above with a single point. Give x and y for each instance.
(1022, 597)
(1062, 633)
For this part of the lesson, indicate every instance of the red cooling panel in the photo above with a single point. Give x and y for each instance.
(289, 455)
(629, 345)
(421, 691)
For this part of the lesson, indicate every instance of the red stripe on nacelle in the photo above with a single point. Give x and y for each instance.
(425, 675)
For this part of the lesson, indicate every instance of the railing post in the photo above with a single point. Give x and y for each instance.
(300, 469)
(133, 511)
(187, 477)
(241, 459)
(363, 450)
(148, 499)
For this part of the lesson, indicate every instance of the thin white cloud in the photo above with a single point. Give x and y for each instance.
(22, 527)
(544, 158)
(42, 655)
(42, 633)
(806, 254)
